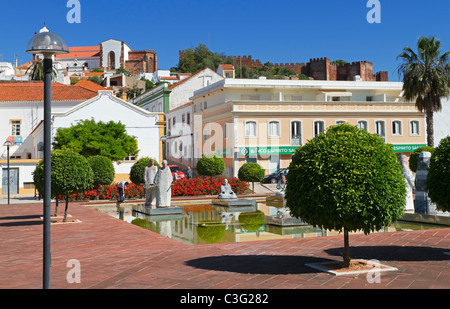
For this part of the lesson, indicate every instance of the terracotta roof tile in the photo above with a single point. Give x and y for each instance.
(87, 84)
(81, 52)
(35, 92)
(227, 66)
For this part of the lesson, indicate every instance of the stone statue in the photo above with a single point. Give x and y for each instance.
(408, 177)
(163, 182)
(422, 203)
(149, 186)
(281, 186)
(225, 191)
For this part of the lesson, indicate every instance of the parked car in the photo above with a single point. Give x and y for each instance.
(176, 172)
(275, 176)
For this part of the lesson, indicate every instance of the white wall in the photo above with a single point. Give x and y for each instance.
(116, 47)
(106, 107)
(442, 122)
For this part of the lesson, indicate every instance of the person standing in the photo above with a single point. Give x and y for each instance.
(189, 173)
(121, 188)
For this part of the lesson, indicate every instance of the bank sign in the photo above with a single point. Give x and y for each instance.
(406, 148)
(254, 151)
(289, 150)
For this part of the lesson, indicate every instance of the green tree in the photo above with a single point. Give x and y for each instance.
(251, 172)
(96, 79)
(346, 180)
(138, 168)
(438, 179)
(121, 70)
(70, 173)
(36, 71)
(90, 138)
(415, 156)
(339, 62)
(426, 78)
(103, 170)
(210, 165)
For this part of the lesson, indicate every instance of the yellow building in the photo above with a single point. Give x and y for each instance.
(264, 121)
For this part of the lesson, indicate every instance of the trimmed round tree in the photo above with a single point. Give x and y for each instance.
(71, 173)
(138, 169)
(210, 165)
(103, 170)
(346, 180)
(251, 172)
(438, 179)
(415, 156)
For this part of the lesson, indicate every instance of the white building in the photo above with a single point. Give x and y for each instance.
(21, 121)
(174, 100)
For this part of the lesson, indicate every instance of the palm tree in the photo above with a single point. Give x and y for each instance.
(426, 78)
(36, 71)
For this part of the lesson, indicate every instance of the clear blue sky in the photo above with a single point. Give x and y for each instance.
(276, 31)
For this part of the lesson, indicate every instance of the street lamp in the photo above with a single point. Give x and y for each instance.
(47, 44)
(8, 144)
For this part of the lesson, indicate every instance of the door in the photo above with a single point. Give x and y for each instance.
(13, 181)
(274, 163)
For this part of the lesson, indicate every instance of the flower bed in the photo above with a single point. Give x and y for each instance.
(183, 187)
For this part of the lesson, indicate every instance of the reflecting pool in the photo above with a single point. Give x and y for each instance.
(209, 224)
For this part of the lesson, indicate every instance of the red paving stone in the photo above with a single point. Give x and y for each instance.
(117, 255)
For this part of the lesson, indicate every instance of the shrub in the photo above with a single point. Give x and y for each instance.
(205, 186)
(415, 156)
(438, 179)
(210, 165)
(138, 169)
(346, 179)
(251, 172)
(103, 170)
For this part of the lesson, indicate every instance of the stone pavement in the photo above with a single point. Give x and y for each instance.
(114, 254)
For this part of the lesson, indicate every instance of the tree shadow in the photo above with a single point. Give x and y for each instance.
(20, 223)
(21, 217)
(393, 253)
(257, 264)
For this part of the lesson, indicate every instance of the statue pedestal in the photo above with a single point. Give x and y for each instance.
(152, 211)
(276, 201)
(239, 202)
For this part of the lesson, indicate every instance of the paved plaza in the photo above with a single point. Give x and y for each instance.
(114, 254)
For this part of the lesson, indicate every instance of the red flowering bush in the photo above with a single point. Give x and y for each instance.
(203, 186)
(182, 187)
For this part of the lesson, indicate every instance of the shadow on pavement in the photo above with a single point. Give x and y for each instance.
(393, 253)
(257, 264)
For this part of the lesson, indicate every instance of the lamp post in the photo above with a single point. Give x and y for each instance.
(47, 44)
(8, 144)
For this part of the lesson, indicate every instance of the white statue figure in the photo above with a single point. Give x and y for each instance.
(225, 191)
(149, 186)
(163, 182)
(408, 177)
(281, 186)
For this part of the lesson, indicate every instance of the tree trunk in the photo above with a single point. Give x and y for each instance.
(346, 249)
(56, 207)
(65, 210)
(430, 128)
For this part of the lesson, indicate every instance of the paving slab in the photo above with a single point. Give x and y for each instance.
(114, 254)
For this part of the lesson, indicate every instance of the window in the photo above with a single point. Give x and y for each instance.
(296, 133)
(174, 120)
(250, 129)
(274, 129)
(188, 118)
(396, 127)
(183, 118)
(15, 127)
(340, 121)
(380, 129)
(362, 125)
(205, 105)
(130, 158)
(319, 127)
(227, 129)
(227, 75)
(168, 121)
(369, 98)
(414, 127)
